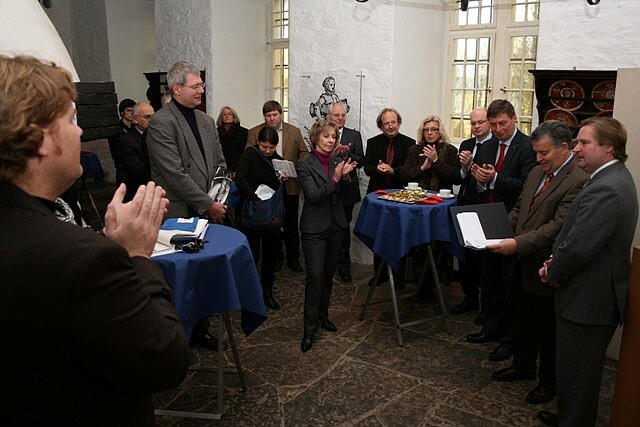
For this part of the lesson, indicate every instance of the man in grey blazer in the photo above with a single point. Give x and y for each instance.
(536, 219)
(184, 153)
(184, 148)
(590, 269)
(349, 147)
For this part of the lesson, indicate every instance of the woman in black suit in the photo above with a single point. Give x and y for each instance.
(255, 168)
(324, 179)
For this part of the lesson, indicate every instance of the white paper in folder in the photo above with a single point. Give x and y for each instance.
(472, 232)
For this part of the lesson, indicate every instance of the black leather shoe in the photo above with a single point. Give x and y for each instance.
(328, 325)
(510, 374)
(465, 306)
(345, 277)
(270, 301)
(294, 266)
(548, 418)
(501, 352)
(479, 338)
(542, 393)
(206, 340)
(307, 343)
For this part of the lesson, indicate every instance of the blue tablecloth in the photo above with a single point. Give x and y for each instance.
(91, 165)
(390, 229)
(220, 278)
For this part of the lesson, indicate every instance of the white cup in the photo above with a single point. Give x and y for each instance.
(412, 185)
(445, 192)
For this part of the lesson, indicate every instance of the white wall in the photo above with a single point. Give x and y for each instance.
(241, 65)
(602, 37)
(132, 45)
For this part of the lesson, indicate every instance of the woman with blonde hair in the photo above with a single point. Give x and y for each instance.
(324, 178)
(433, 162)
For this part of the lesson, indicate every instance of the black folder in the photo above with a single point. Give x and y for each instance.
(492, 216)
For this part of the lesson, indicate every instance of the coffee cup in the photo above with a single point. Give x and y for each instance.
(413, 185)
(445, 192)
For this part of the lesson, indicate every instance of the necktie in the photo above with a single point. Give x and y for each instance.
(500, 157)
(497, 168)
(390, 152)
(545, 184)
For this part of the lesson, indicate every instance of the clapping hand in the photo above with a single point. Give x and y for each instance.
(343, 169)
(134, 225)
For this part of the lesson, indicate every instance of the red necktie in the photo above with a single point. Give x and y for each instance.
(497, 168)
(500, 157)
(390, 152)
(545, 184)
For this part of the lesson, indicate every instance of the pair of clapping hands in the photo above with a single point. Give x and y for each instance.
(481, 173)
(134, 225)
(344, 168)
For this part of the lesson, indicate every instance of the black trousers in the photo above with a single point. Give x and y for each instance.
(321, 259)
(470, 274)
(495, 296)
(290, 234)
(344, 258)
(264, 246)
(534, 333)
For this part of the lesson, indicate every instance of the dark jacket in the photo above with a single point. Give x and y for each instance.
(134, 159)
(377, 151)
(92, 332)
(442, 174)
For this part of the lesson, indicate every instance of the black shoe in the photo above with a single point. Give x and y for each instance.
(479, 338)
(307, 343)
(345, 277)
(465, 306)
(510, 374)
(542, 393)
(206, 340)
(548, 418)
(501, 352)
(294, 266)
(479, 320)
(328, 325)
(270, 301)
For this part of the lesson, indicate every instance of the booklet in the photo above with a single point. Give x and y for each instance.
(178, 227)
(285, 166)
(480, 225)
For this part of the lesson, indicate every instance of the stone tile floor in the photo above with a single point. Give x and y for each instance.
(359, 376)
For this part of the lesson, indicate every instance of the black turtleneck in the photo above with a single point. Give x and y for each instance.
(190, 116)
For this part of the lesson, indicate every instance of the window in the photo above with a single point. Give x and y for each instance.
(279, 43)
(492, 46)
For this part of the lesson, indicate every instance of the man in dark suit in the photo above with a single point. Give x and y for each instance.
(383, 161)
(350, 146)
(185, 152)
(89, 326)
(503, 165)
(590, 269)
(536, 219)
(469, 195)
(125, 108)
(291, 147)
(133, 150)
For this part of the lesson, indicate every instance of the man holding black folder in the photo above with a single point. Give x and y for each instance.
(502, 167)
(536, 219)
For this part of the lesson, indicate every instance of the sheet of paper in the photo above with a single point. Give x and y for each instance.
(264, 192)
(472, 232)
(285, 166)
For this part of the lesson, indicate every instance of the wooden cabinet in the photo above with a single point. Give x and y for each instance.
(572, 96)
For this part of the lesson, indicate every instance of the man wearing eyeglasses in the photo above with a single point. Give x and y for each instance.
(133, 152)
(184, 152)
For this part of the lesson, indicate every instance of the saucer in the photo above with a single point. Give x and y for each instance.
(446, 196)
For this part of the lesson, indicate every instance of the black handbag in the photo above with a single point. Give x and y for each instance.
(263, 215)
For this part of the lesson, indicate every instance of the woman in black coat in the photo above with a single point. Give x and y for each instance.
(255, 168)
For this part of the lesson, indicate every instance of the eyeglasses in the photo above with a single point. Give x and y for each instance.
(431, 130)
(195, 86)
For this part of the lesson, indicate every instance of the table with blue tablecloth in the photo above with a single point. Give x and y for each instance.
(219, 279)
(390, 229)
